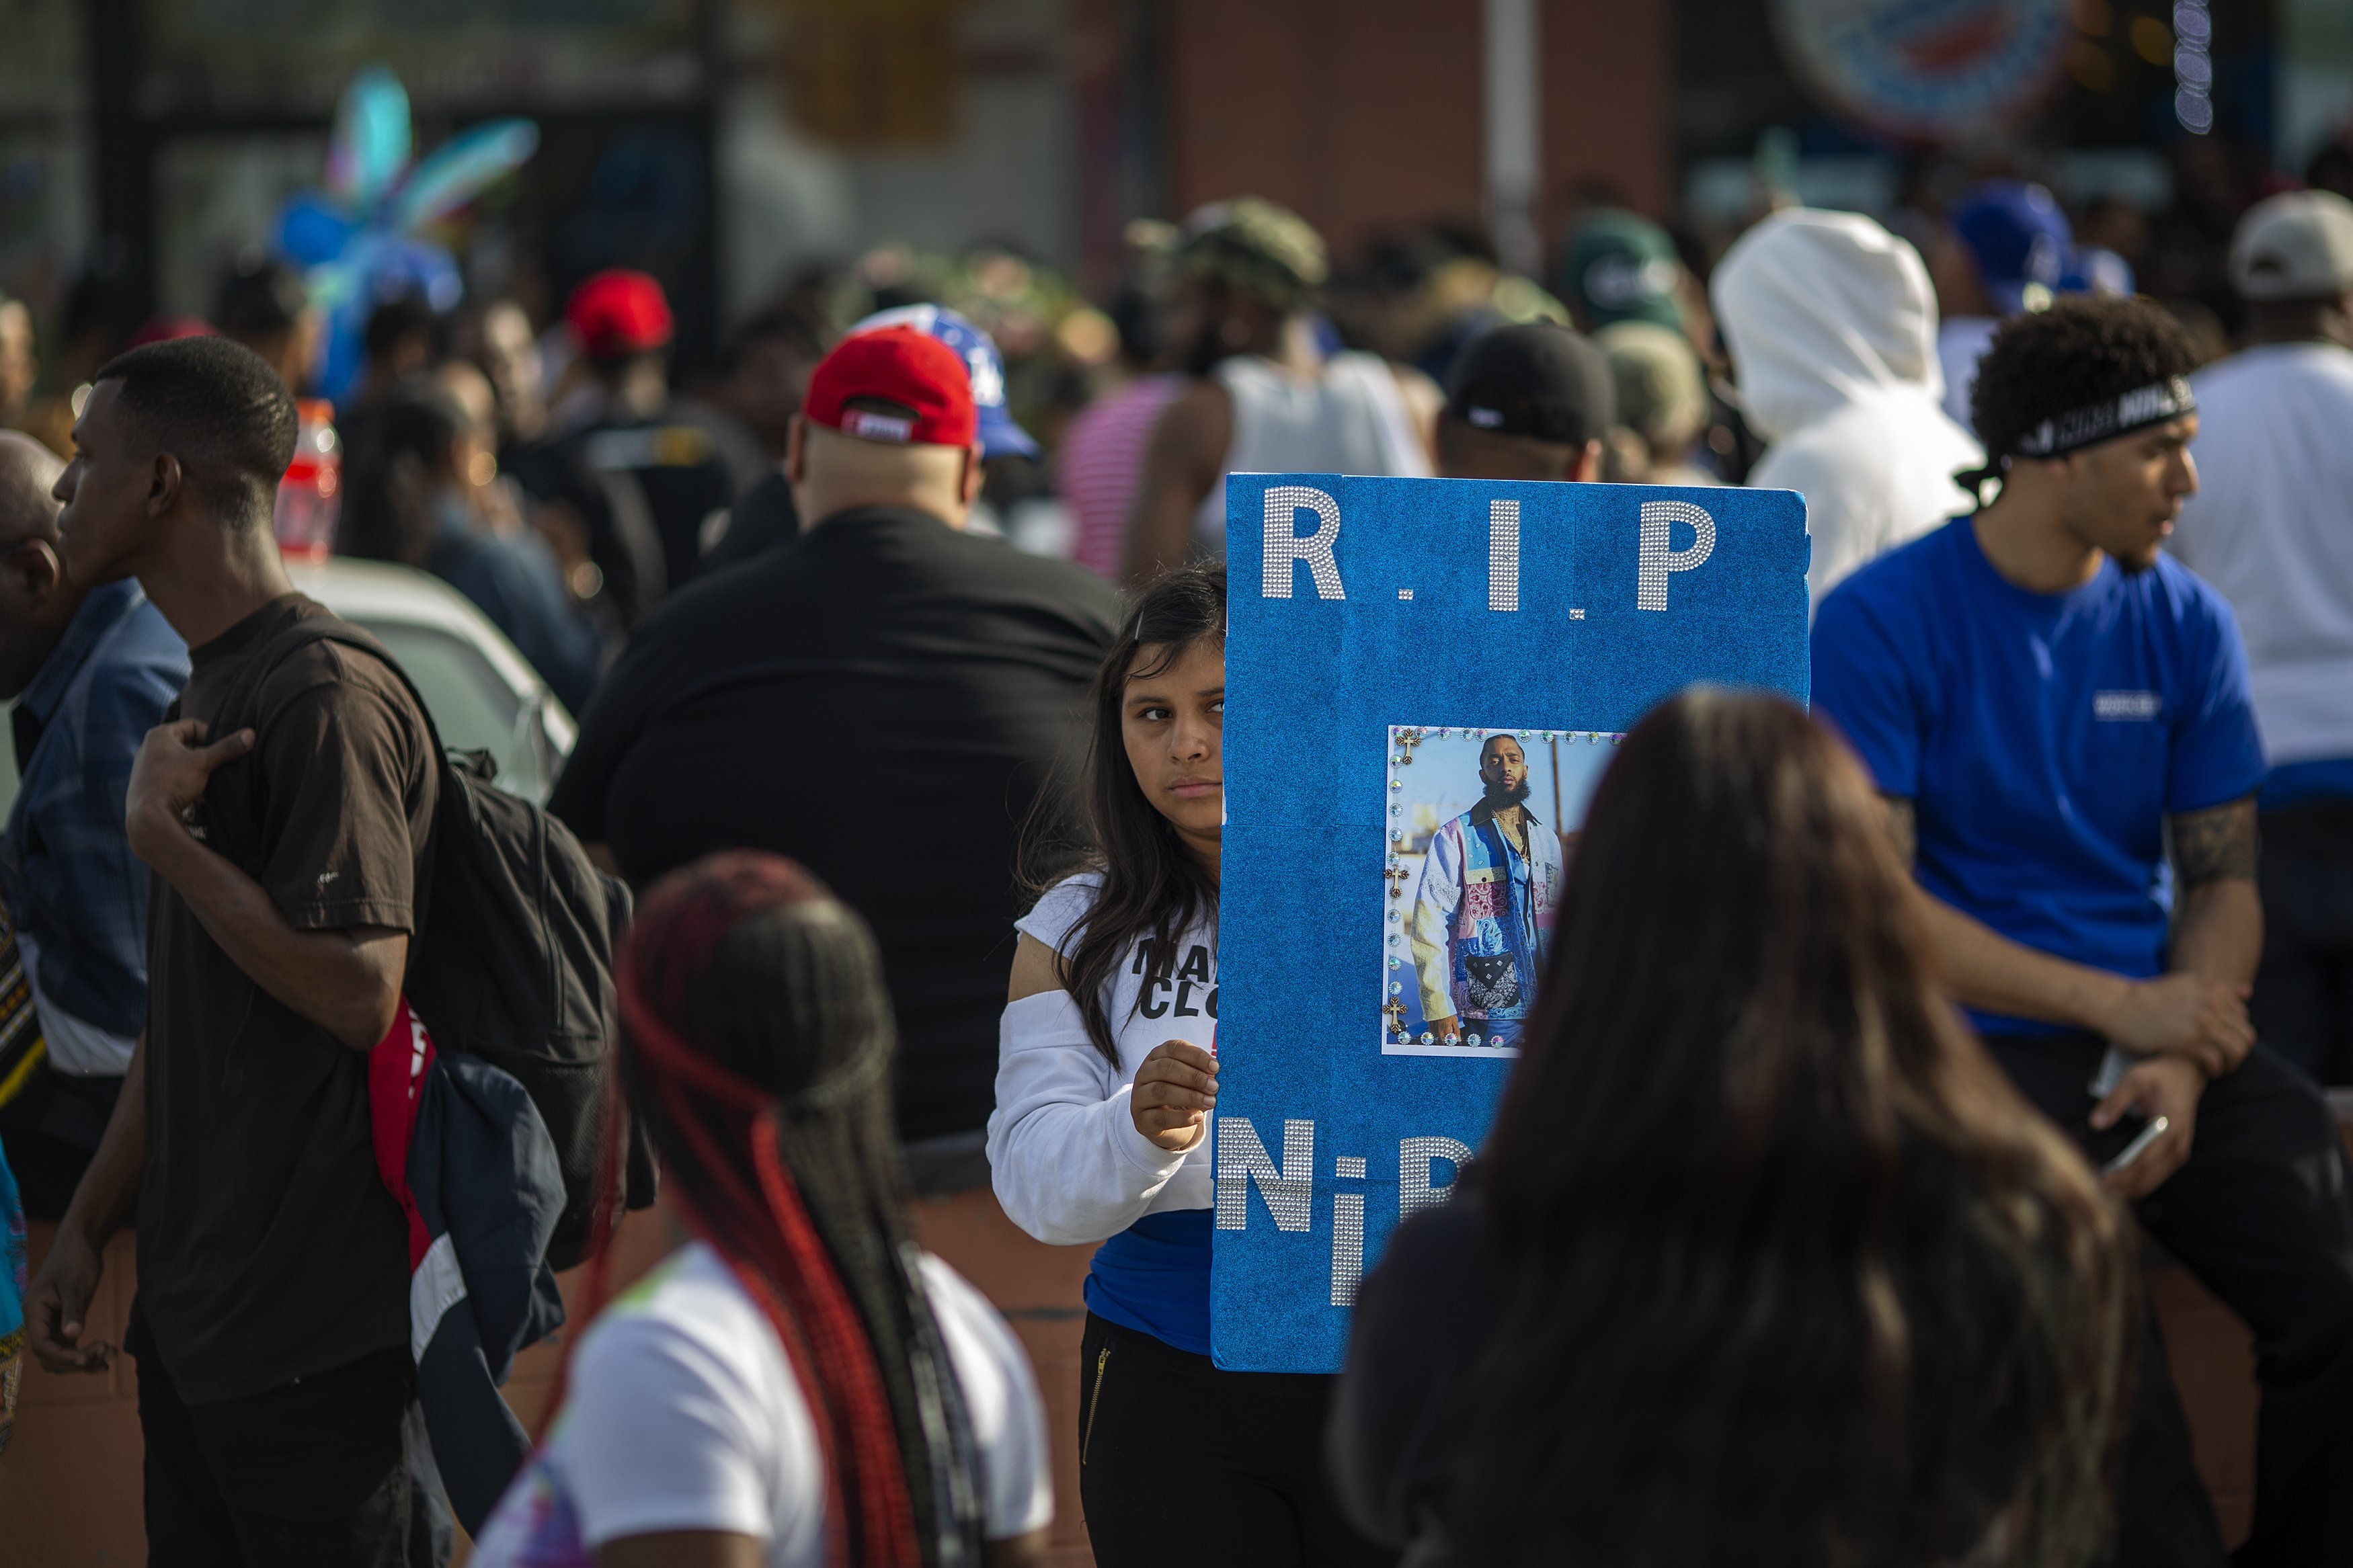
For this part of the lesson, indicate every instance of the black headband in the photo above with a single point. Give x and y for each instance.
(2081, 427)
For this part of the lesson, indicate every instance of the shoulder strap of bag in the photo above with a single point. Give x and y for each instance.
(238, 704)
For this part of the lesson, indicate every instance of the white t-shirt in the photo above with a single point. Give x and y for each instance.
(683, 1414)
(1064, 1156)
(1350, 419)
(1876, 473)
(1961, 341)
(2272, 527)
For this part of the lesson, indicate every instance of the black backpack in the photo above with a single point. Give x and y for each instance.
(513, 958)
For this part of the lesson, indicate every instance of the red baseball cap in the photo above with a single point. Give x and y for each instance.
(618, 313)
(899, 365)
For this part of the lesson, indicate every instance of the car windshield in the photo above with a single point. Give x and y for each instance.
(472, 708)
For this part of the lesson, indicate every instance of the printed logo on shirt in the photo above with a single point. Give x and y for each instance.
(2127, 706)
(1191, 992)
(327, 877)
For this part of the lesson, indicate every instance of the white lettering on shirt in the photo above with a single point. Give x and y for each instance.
(2127, 706)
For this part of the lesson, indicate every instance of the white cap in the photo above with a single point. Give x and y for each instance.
(2296, 246)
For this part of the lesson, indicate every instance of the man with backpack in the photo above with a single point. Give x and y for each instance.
(272, 1326)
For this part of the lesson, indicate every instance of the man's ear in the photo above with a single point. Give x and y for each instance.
(32, 568)
(976, 473)
(165, 484)
(42, 572)
(796, 450)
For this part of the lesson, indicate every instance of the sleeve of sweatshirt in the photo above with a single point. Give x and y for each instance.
(1846, 522)
(1063, 1151)
(1064, 1155)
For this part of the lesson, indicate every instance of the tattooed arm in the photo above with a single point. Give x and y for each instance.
(2218, 921)
(2198, 1013)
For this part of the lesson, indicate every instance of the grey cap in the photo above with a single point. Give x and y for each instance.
(2295, 246)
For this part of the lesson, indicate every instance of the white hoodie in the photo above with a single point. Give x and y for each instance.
(1832, 328)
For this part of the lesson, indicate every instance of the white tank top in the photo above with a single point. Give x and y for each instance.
(1349, 419)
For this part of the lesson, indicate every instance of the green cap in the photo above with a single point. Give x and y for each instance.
(1622, 267)
(1661, 390)
(1256, 248)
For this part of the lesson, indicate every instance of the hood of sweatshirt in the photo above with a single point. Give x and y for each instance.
(1821, 310)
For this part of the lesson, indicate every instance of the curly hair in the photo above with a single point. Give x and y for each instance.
(2079, 352)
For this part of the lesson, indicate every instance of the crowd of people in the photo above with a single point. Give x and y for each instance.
(2032, 940)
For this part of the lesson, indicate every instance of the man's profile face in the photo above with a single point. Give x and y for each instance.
(105, 491)
(1502, 767)
(2130, 490)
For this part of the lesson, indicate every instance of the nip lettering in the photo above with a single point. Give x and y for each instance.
(1287, 1191)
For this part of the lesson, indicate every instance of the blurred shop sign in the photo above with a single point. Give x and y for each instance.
(1928, 71)
(201, 57)
(884, 75)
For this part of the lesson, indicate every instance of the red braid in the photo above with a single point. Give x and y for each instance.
(762, 1227)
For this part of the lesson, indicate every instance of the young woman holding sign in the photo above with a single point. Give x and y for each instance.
(1105, 1082)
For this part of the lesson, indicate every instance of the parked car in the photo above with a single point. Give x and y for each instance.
(483, 694)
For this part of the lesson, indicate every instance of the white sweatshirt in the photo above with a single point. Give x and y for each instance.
(1832, 328)
(1064, 1154)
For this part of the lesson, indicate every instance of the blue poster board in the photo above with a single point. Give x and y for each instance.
(1396, 647)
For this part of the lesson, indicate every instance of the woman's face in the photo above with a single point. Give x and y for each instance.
(1173, 722)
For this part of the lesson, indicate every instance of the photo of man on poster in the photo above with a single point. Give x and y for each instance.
(1484, 907)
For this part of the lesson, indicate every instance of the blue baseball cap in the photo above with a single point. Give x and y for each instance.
(1000, 435)
(2019, 241)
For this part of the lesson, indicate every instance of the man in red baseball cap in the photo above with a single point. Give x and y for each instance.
(888, 420)
(645, 473)
(883, 698)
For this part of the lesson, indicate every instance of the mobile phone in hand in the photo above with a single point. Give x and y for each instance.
(2133, 1150)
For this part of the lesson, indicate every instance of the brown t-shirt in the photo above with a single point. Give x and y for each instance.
(269, 1248)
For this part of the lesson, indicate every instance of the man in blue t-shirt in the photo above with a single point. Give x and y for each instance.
(2058, 716)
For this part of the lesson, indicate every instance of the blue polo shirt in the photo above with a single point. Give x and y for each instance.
(2042, 739)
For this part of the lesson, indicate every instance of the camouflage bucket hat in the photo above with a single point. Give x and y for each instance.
(1256, 248)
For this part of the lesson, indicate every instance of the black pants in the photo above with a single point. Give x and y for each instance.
(1181, 1464)
(2261, 1214)
(2304, 991)
(311, 1475)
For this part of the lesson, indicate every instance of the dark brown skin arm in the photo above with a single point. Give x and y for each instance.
(58, 1298)
(1184, 463)
(346, 981)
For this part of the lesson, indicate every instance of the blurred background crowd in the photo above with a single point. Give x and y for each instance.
(400, 205)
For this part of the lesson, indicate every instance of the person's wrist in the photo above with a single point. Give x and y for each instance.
(2109, 1006)
(159, 837)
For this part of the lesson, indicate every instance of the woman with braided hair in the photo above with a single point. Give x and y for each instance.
(801, 1384)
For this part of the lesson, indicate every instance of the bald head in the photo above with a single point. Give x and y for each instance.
(28, 471)
(37, 599)
(831, 472)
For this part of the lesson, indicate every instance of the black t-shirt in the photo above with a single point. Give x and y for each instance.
(882, 700)
(763, 519)
(647, 489)
(269, 1248)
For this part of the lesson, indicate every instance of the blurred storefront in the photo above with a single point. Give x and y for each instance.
(723, 144)
(2157, 119)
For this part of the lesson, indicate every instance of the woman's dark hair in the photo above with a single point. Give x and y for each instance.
(392, 474)
(1787, 1274)
(2082, 350)
(756, 1042)
(1152, 886)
